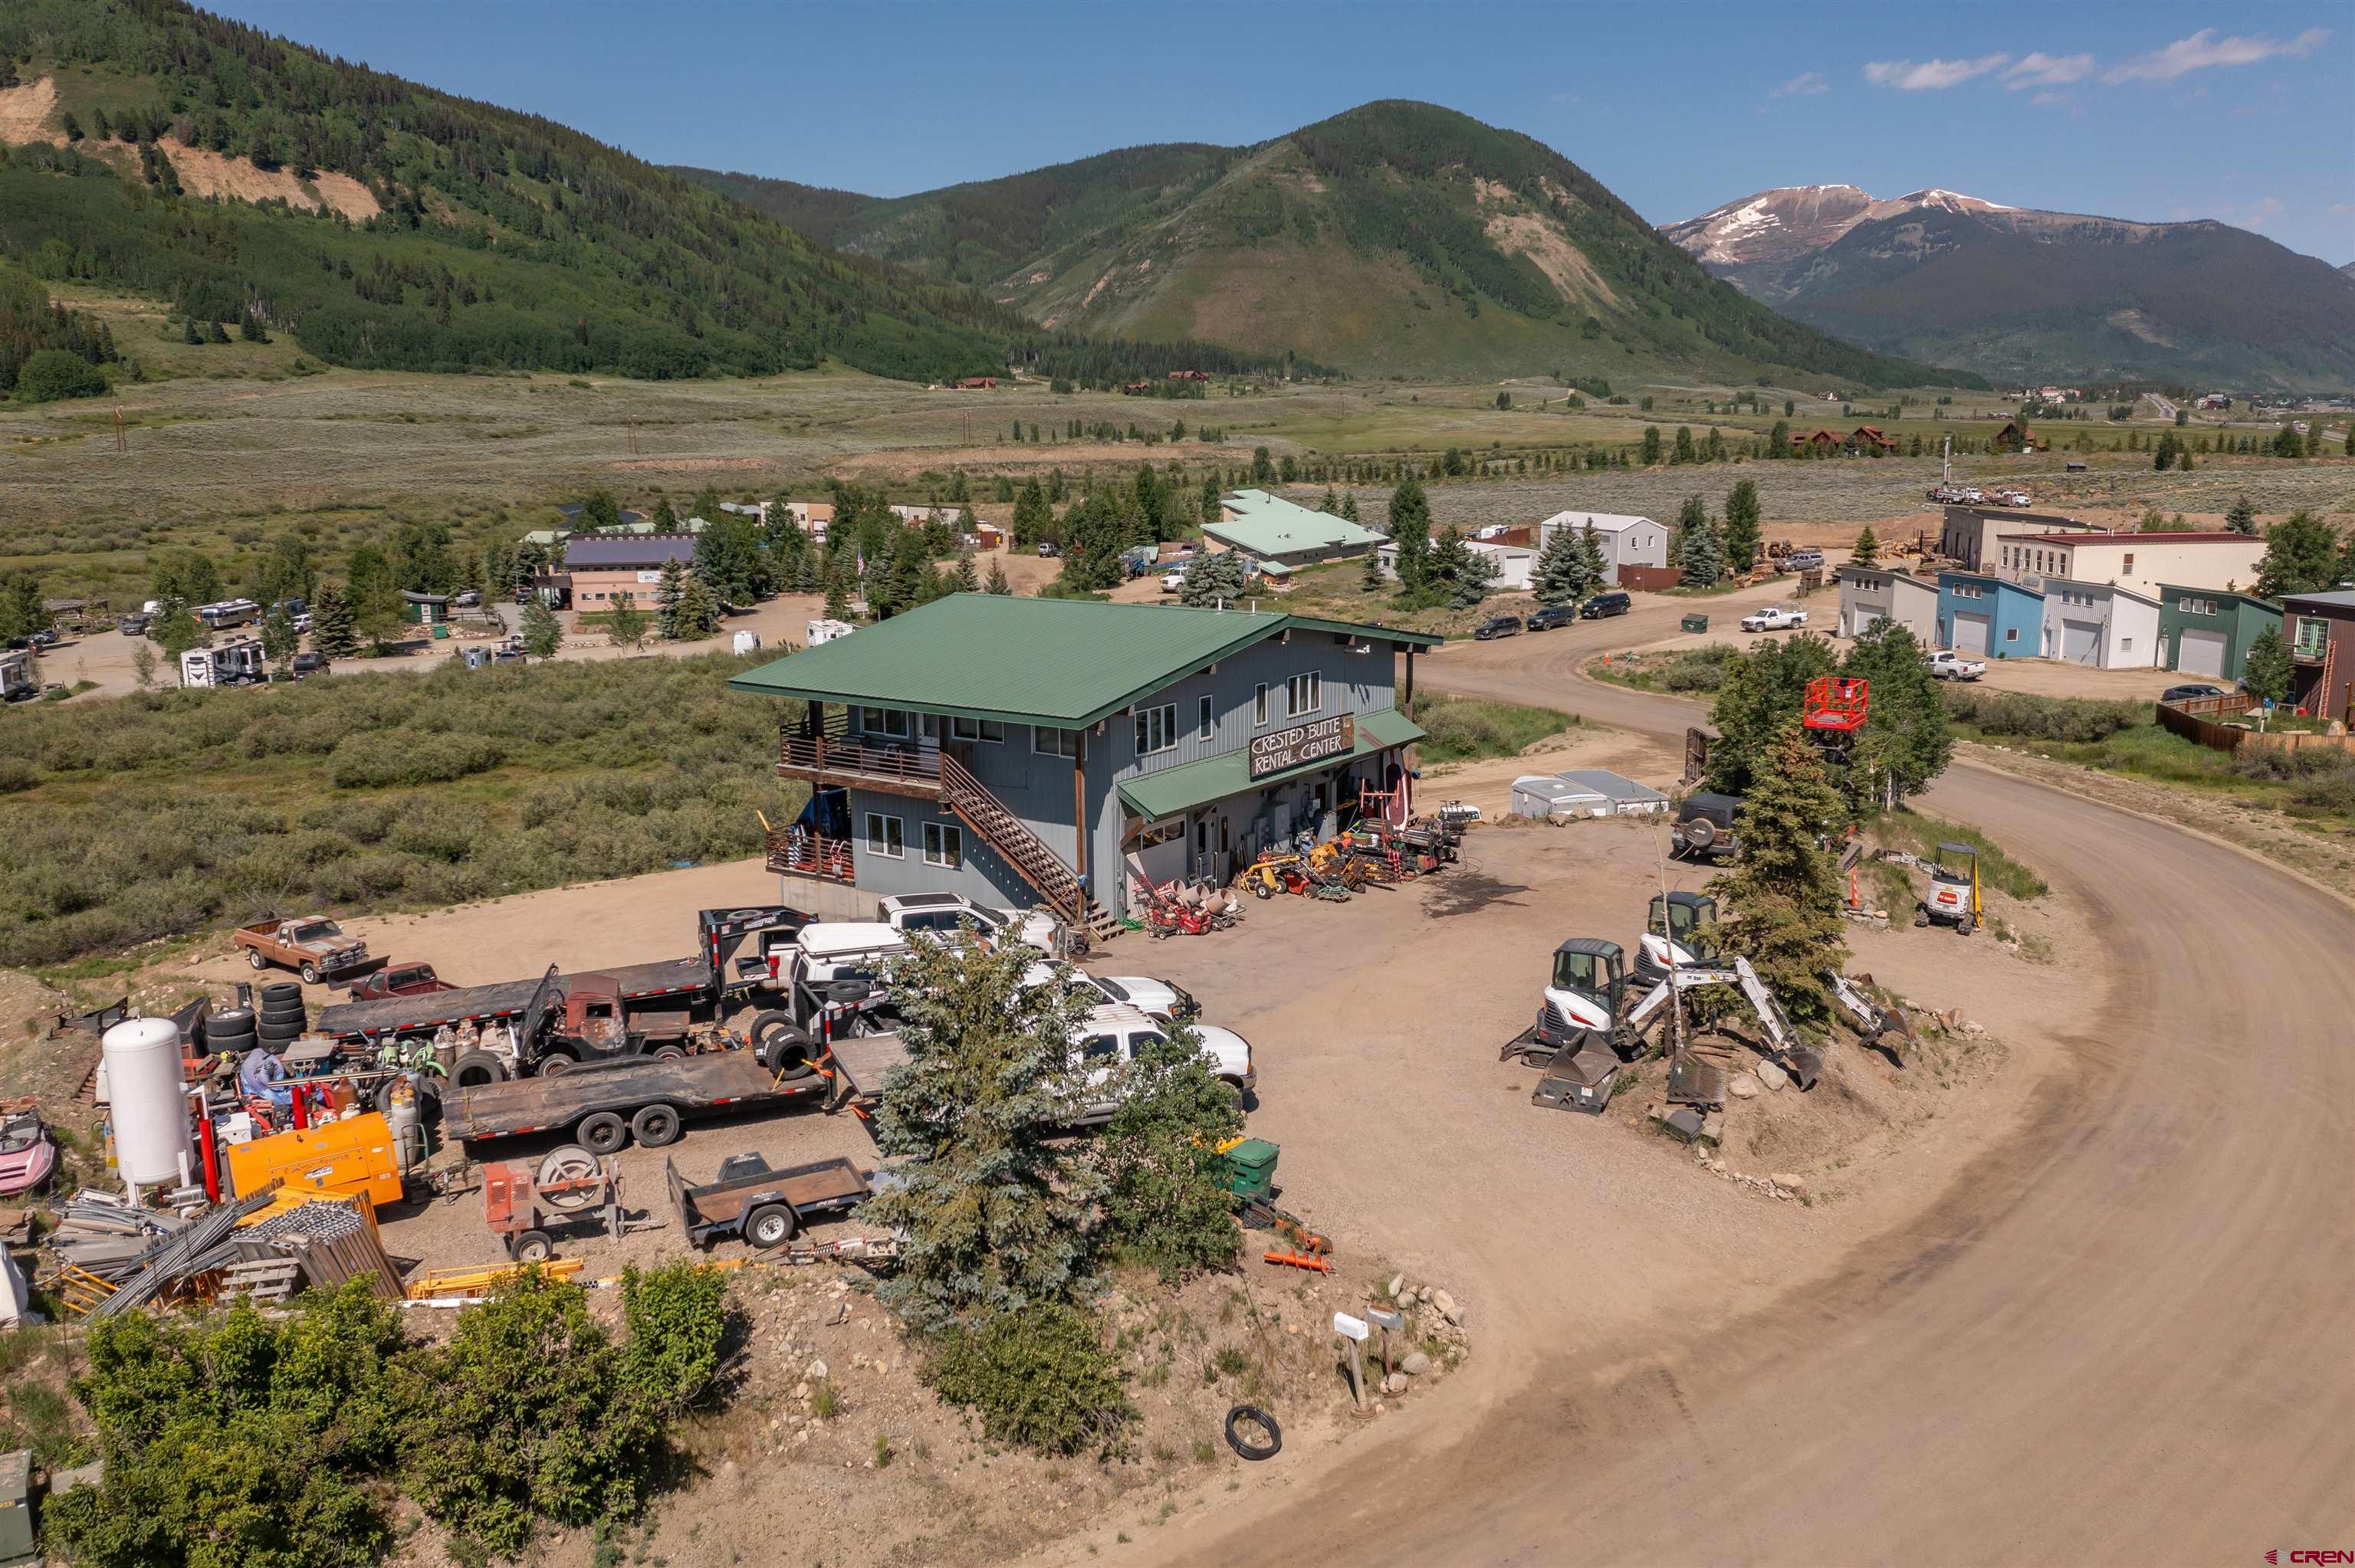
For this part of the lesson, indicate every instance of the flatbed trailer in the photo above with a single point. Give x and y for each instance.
(605, 1105)
(766, 1207)
(857, 1063)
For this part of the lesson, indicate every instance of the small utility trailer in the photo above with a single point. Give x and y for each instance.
(605, 1105)
(766, 1207)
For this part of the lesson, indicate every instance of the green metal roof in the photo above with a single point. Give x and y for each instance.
(1271, 525)
(1063, 662)
(1191, 784)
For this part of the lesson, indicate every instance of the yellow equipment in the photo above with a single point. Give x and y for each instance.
(352, 1158)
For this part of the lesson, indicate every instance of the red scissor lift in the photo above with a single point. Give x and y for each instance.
(1835, 707)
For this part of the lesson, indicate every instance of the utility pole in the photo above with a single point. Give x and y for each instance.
(1946, 463)
(122, 436)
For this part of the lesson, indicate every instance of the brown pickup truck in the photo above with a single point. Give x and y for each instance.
(313, 946)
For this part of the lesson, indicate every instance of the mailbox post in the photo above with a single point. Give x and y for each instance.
(1353, 1331)
(1386, 1322)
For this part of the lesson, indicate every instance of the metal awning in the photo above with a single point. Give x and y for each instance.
(1192, 784)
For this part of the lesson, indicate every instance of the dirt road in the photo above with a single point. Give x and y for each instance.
(2120, 1334)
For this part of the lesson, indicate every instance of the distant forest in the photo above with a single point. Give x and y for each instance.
(506, 240)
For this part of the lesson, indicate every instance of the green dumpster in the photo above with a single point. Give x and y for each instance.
(1696, 624)
(1251, 1168)
(441, 632)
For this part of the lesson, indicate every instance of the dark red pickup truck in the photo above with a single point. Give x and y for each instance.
(399, 979)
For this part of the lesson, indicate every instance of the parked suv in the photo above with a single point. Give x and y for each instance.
(1553, 615)
(1804, 560)
(1498, 626)
(1615, 602)
(1705, 826)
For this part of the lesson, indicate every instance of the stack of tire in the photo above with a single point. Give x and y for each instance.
(230, 1032)
(281, 1017)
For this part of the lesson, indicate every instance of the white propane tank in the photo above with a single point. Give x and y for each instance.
(142, 1056)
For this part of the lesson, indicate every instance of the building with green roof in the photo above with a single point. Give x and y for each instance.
(1034, 751)
(1279, 534)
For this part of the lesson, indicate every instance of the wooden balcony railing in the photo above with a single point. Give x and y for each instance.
(795, 852)
(909, 770)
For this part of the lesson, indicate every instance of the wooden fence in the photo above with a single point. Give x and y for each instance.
(2201, 719)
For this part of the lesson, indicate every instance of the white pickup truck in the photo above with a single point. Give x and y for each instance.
(1110, 1035)
(1948, 665)
(1774, 618)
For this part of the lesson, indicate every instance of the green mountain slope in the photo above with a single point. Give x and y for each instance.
(1397, 238)
(384, 224)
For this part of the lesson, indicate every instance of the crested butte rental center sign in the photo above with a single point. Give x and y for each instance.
(1296, 746)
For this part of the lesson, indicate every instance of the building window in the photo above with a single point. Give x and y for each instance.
(888, 722)
(886, 836)
(976, 729)
(1161, 832)
(1202, 725)
(2011, 634)
(1157, 730)
(1305, 693)
(2309, 637)
(2129, 566)
(1046, 742)
(944, 844)
(1259, 704)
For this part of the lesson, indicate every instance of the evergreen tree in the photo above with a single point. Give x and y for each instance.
(698, 609)
(994, 1201)
(1740, 533)
(333, 632)
(837, 587)
(1701, 557)
(1165, 1197)
(1210, 577)
(1757, 696)
(176, 631)
(1590, 556)
(669, 591)
(1784, 887)
(21, 613)
(664, 519)
(2267, 672)
(2242, 517)
(1350, 507)
(1684, 444)
(1866, 550)
(625, 623)
(1907, 738)
(1033, 516)
(1207, 505)
(541, 634)
(1370, 576)
(1563, 572)
(1460, 574)
(1410, 528)
(2301, 557)
(1651, 455)
(998, 583)
(967, 576)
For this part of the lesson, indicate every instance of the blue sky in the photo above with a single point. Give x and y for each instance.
(2160, 112)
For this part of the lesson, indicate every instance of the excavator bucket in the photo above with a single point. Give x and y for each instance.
(1805, 1063)
(1692, 1082)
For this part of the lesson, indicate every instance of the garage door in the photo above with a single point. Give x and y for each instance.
(1863, 621)
(2078, 641)
(1970, 633)
(2199, 652)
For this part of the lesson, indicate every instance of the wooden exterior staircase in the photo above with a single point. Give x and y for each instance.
(1057, 884)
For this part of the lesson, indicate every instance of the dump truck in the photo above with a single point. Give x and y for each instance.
(312, 946)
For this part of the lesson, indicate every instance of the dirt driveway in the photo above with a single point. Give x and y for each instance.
(2114, 1331)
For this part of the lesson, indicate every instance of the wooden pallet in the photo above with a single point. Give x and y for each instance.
(264, 1281)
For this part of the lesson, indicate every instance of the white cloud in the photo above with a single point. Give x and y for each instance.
(2342, 210)
(2204, 49)
(1565, 98)
(2041, 70)
(1807, 84)
(2048, 98)
(2256, 215)
(1930, 76)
